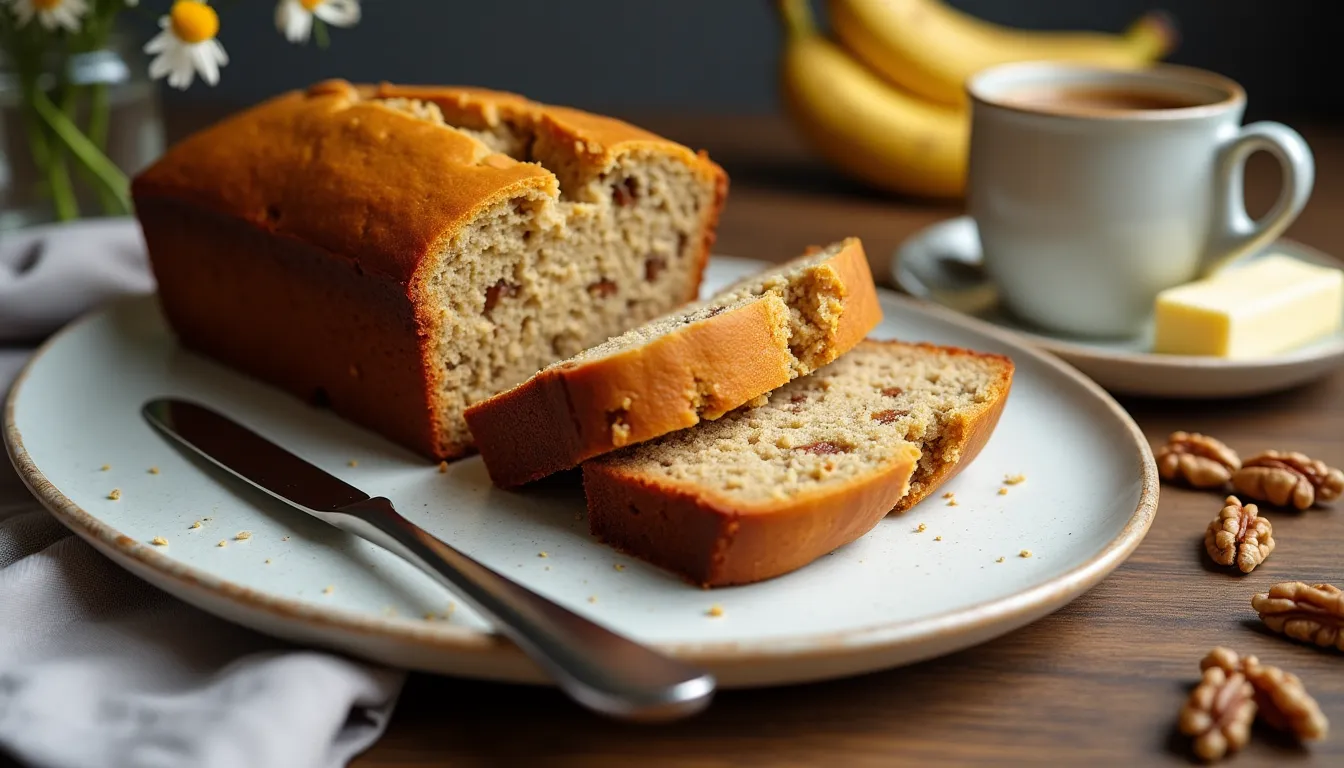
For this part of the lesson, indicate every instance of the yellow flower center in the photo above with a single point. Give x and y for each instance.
(46, 5)
(193, 22)
(311, 5)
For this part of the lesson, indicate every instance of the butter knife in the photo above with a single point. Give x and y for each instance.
(598, 668)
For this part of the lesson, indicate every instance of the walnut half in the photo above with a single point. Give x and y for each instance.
(1198, 460)
(1219, 713)
(1288, 479)
(1305, 612)
(1281, 699)
(1239, 536)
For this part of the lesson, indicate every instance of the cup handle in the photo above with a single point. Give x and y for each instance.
(1234, 234)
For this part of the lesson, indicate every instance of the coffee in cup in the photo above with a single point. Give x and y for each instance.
(1095, 189)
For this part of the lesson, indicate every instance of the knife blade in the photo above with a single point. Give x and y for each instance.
(602, 670)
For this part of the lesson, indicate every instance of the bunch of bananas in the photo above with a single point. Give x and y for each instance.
(886, 103)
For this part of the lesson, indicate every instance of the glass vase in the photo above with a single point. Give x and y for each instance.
(132, 138)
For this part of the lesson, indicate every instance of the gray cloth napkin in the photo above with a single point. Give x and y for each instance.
(100, 669)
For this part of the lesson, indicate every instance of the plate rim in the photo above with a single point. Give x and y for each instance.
(1069, 350)
(439, 637)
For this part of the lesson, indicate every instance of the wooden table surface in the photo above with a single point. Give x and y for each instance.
(1099, 682)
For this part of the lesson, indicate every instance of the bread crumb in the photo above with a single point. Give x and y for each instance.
(948, 495)
(268, 561)
(222, 543)
(243, 535)
(282, 538)
(159, 541)
(153, 470)
(328, 590)
(115, 494)
(1024, 553)
(353, 462)
(105, 468)
(921, 528)
(1013, 479)
(207, 519)
(618, 566)
(592, 598)
(715, 611)
(195, 525)
(542, 554)
(937, 538)
(443, 467)
(1000, 560)
(952, 503)
(1003, 491)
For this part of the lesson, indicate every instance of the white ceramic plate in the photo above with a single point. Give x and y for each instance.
(941, 264)
(894, 597)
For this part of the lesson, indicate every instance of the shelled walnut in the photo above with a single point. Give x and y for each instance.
(1197, 460)
(1239, 536)
(1288, 479)
(1219, 713)
(1310, 613)
(1281, 699)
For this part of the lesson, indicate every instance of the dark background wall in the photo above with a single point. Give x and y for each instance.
(633, 56)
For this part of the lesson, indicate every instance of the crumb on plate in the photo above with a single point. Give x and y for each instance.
(1000, 560)
(353, 462)
(592, 598)
(159, 541)
(153, 470)
(105, 468)
(1024, 553)
(937, 538)
(1013, 479)
(948, 495)
(542, 554)
(715, 611)
(243, 535)
(222, 543)
(443, 467)
(921, 528)
(952, 503)
(268, 561)
(282, 538)
(618, 566)
(114, 494)
(1003, 491)
(195, 525)
(328, 590)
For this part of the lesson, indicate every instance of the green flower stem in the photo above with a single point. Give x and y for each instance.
(99, 114)
(104, 171)
(53, 167)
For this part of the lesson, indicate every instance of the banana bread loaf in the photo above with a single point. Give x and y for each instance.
(399, 253)
(766, 490)
(671, 373)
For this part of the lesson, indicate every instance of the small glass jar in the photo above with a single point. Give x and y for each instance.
(134, 138)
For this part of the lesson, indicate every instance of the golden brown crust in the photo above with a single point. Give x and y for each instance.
(565, 415)
(714, 540)
(325, 196)
(715, 543)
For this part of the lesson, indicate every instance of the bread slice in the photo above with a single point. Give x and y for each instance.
(400, 252)
(679, 369)
(766, 490)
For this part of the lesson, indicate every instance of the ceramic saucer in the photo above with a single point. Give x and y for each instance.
(941, 264)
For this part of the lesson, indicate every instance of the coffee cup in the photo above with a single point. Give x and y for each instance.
(1095, 189)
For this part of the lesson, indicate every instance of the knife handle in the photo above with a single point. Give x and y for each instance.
(600, 669)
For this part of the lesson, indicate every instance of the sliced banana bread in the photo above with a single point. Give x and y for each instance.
(399, 253)
(676, 370)
(768, 489)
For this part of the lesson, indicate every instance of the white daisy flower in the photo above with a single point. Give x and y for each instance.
(294, 18)
(50, 13)
(187, 45)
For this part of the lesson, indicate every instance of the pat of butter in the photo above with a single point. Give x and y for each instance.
(1271, 305)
